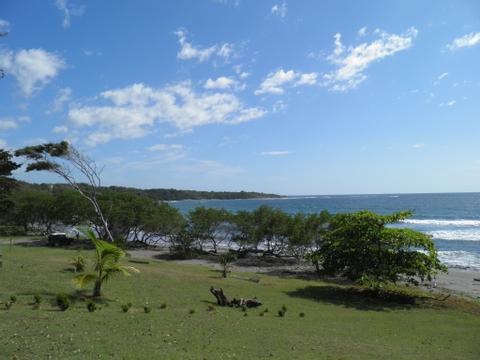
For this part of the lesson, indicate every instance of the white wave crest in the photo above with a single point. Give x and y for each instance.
(468, 235)
(460, 259)
(441, 222)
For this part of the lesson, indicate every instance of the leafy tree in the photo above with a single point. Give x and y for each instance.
(244, 231)
(209, 225)
(7, 166)
(65, 161)
(107, 264)
(271, 229)
(361, 247)
(35, 210)
(163, 224)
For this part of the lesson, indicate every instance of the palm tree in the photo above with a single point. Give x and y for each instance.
(107, 258)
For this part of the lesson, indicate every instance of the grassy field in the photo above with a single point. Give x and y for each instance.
(338, 323)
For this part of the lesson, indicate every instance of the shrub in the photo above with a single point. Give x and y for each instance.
(13, 299)
(302, 314)
(163, 306)
(147, 309)
(91, 306)
(281, 313)
(126, 307)
(284, 308)
(245, 314)
(192, 311)
(8, 305)
(262, 313)
(266, 310)
(79, 263)
(37, 299)
(63, 301)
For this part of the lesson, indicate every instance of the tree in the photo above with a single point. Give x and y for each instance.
(107, 264)
(7, 166)
(361, 247)
(163, 224)
(209, 225)
(271, 229)
(57, 158)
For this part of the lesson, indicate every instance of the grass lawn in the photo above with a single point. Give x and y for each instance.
(338, 324)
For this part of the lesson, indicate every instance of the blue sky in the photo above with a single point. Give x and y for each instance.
(292, 97)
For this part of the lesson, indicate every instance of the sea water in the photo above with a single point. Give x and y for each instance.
(453, 220)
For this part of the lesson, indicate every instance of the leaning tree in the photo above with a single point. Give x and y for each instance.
(67, 162)
(7, 166)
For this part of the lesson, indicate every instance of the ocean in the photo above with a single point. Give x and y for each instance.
(453, 219)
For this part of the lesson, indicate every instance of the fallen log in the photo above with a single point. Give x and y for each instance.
(222, 300)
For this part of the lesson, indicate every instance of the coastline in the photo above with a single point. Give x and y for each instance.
(457, 281)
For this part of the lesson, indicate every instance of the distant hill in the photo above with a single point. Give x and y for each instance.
(168, 194)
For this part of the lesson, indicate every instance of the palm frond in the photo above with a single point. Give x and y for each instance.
(84, 279)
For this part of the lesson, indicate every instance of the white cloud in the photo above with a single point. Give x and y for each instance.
(163, 147)
(352, 62)
(63, 96)
(441, 76)
(68, 11)
(362, 32)
(279, 10)
(134, 110)
(448, 104)
(88, 52)
(468, 40)
(221, 82)
(4, 25)
(275, 82)
(189, 51)
(208, 167)
(7, 124)
(32, 68)
(60, 130)
(275, 153)
(3, 144)
(418, 146)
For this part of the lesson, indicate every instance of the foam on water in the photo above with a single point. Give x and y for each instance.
(442, 222)
(465, 235)
(460, 259)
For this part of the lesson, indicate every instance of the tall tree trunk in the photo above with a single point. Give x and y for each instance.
(97, 289)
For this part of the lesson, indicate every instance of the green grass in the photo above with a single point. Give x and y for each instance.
(338, 323)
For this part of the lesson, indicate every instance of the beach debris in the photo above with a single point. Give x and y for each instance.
(222, 300)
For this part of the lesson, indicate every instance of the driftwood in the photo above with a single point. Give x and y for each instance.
(222, 300)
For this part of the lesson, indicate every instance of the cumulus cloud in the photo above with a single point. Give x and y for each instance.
(275, 82)
(448, 103)
(60, 130)
(221, 82)
(467, 40)
(362, 32)
(188, 51)
(279, 10)
(352, 62)
(4, 25)
(275, 153)
(163, 147)
(63, 96)
(32, 68)
(132, 112)
(7, 124)
(68, 10)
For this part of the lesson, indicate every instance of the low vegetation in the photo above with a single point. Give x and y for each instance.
(340, 322)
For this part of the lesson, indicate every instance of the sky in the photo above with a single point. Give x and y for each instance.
(291, 97)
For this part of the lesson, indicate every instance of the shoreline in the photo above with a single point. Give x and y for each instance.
(457, 281)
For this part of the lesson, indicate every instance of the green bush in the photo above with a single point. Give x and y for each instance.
(37, 299)
(91, 306)
(79, 263)
(126, 307)
(163, 306)
(192, 311)
(63, 301)
(13, 299)
(147, 309)
(302, 314)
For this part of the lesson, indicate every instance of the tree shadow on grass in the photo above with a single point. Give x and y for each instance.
(354, 297)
